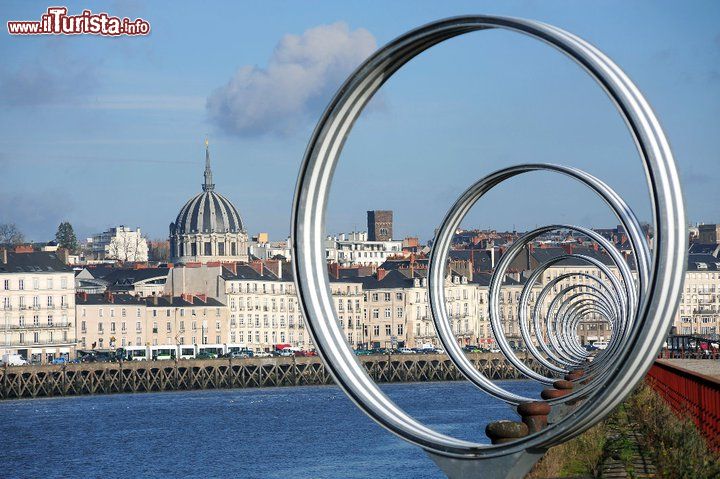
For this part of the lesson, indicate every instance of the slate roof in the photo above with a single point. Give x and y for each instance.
(129, 300)
(703, 262)
(35, 262)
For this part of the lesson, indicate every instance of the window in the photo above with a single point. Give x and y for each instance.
(123, 326)
(7, 284)
(138, 326)
(399, 312)
(168, 327)
(387, 296)
(21, 284)
(100, 312)
(83, 326)
(400, 329)
(388, 329)
(100, 328)
(123, 313)
(375, 313)
(112, 327)
(388, 313)
(375, 296)
(376, 330)
(63, 283)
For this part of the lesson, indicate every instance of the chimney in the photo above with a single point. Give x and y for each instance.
(109, 296)
(24, 248)
(3, 256)
(257, 266)
(335, 270)
(381, 273)
(568, 248)
(202, 297)
(154, 299)
(232, 267)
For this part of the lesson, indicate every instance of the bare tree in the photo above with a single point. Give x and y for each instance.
(10, 234)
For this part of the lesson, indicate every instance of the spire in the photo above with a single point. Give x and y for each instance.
(208, 185)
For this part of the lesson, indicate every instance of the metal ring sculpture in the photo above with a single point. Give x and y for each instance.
(639, 308)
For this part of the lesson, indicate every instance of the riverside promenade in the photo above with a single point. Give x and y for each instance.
(153, 376)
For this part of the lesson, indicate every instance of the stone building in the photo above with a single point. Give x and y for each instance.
(699, 310)
(37, 298)
(110, 321)
(208, 227)
(264, 309)
(380, 225)
(397, 309)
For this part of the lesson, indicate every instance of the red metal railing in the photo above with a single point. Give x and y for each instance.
(691, 394)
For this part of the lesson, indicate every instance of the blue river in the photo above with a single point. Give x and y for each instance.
(301, 432)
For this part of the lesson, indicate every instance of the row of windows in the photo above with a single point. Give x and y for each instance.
(49, 283)
(36, 302)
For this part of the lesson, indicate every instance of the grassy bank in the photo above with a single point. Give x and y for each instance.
(673, 444)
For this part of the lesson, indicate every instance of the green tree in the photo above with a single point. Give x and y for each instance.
(65, 237)
(10, 234)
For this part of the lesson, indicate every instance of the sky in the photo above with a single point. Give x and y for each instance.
(107, 131)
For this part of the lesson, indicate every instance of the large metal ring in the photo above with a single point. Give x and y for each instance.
(655, 311)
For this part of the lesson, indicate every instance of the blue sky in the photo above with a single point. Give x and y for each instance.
(107, 131)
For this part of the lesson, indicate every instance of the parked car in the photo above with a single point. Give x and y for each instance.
(263, 354)
(405, 351)
(60, 360)
(363, 352)
(285, 353)
(205, 355)
(237, 355)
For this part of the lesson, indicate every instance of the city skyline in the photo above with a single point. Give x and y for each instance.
(102, 132)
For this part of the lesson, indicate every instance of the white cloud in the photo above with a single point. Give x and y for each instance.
(302, 74)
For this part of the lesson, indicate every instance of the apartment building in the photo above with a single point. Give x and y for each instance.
(37, 298)
(264, 309)
(397, 309)
(699, 310)
(111, 321)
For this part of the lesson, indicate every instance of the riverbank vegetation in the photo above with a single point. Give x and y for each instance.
(644, 425)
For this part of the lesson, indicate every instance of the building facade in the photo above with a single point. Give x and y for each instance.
(699, 310)
(37, 298)
(110, 321)
(264, 309)
(355, 249)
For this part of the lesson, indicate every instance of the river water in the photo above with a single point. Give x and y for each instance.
(300, 432)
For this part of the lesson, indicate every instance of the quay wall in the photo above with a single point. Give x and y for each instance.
(152, 376)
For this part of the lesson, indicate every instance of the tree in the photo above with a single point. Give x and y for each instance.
(65, 237)
(159, 250)
(10, 234)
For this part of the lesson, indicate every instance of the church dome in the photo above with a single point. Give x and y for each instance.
(208, 212)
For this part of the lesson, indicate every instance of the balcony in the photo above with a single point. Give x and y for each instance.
(42, 342)
(14, 327)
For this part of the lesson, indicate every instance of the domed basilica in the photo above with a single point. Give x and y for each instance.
(208, 227)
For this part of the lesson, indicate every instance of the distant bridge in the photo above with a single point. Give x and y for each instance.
(152, 376)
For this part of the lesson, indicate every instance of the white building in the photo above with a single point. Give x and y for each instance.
(37, 297)
(119, 243)
(354, 249)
